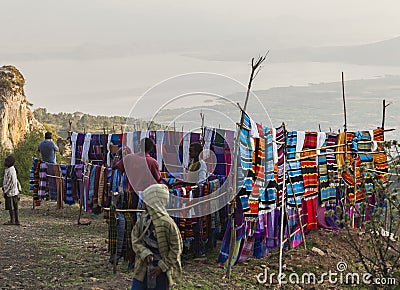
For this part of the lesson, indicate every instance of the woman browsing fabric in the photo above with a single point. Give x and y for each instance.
(197, 167)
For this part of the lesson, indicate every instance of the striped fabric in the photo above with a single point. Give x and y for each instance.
(52, 181)
(362, 143)
(310, 177)
(351, 177)
(341, 141)
(309, 165)
(258, 165)
(294, 183)
(32, 174)
(43, 190)
(291, 142)
(310, 143)
(294, 227)
(112, 230)
(380, 158)
(92, 181)
(86, 179)
(280, 139)
(326, 190)
(34, 180)
(331, 140)
(63, 168)
(245, 146)
(271, 184)
(68, 199)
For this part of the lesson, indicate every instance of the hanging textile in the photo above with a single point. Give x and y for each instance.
(309, 165)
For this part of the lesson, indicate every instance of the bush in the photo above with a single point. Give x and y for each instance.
(23, 154)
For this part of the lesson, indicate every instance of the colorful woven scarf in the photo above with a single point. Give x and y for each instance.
(380, 158)
(294, 183)
(271, 184)
(294, 227)
(331, 140)
(327, 192)
(291, 142)
(43, 190)
(280, 139)
(309, 165)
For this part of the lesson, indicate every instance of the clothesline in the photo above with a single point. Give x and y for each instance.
(125, 210)
(382, 172)
(330, 153)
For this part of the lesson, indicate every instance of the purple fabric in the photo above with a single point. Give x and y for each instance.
(239, 219)
(322, 218)
(331, 220)
(220, 168)
(273, 228)
(52, 182)
(230, 138)
(194, 137)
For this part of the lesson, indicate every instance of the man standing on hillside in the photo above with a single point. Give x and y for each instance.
(48, 148)
(141, 169)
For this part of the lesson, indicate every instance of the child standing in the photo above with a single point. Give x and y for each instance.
(11, 190)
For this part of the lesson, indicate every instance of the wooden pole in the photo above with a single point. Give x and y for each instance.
(355, 192)
(345, 136)
(255, 68)
(202, 128)
(283, 209)
(383, 114)
(344, 106)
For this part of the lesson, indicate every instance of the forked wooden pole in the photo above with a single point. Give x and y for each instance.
(255, 68)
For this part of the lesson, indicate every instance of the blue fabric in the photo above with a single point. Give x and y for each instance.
(296, 180)
(120, 232)
(291, 141)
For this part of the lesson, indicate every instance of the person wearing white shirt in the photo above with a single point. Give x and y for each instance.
(11, 190)
(197, 167)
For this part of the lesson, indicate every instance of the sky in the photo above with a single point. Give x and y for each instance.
(99, 57)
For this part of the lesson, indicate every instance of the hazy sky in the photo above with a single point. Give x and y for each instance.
(99, 56)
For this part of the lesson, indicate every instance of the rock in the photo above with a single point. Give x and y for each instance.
(87, 275)
(16, 117)
(318, 251)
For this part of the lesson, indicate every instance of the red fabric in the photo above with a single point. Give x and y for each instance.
(310, 209)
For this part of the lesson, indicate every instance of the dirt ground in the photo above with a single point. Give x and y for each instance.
(50, 251)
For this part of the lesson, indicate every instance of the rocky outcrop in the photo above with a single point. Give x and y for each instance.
(16, 118)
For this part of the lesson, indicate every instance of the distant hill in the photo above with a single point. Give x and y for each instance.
(310, 107)
(80, 122)
(378, 53)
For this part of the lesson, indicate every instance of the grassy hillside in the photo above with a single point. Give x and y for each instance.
(80, 122)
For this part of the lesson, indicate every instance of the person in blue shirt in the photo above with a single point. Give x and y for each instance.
(48, 148)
